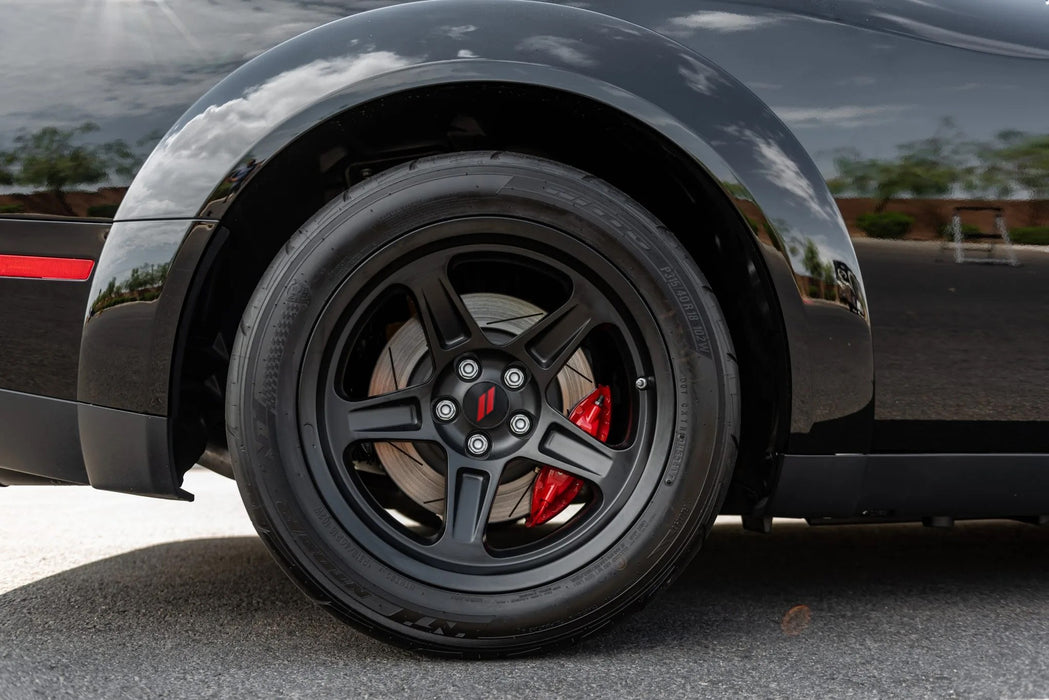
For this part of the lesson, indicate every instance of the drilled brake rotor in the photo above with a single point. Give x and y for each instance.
(404, 358)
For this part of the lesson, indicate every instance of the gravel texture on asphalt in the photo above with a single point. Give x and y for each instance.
(108, 596)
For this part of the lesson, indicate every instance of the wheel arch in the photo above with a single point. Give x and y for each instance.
(647, 166)
(735, 145)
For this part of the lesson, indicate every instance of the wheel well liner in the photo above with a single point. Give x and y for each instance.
(477, 116)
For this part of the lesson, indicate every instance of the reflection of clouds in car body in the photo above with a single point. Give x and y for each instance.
(222, 133)
(783, 170)
(571, 52)
(117, 45)
(842, 117)
(700, 77)
(457, 32)
(717, 21)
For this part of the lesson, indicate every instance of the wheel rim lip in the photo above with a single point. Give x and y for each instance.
(504, 573)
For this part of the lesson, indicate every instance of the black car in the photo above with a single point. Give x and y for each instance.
(490, 307)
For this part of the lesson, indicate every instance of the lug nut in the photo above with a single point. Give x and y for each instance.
(468, 369)
(445, 410)
(477, 444)
(520, 424)
(514, 378)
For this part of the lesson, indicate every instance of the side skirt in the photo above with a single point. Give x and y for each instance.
(49, 440)
(39, 437)
(912, 486)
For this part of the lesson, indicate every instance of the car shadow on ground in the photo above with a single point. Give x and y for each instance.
(900, 608)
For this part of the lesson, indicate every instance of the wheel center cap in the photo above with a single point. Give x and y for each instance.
(486, 405)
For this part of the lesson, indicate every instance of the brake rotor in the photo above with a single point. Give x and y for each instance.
(404, 358)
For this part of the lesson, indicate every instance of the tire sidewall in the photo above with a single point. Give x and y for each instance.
(268, 450)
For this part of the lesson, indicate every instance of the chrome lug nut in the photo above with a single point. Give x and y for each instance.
(477, 444)
(445, 410)
(468, 369)
(520, 424)
(514, 378)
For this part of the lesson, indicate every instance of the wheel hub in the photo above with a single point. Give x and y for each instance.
(488, 395)
(487, 406)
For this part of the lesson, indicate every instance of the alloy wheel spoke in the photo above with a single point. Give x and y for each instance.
(397, 416)
(469, 494)
(446, 321)
(554, 338)
(565, 446)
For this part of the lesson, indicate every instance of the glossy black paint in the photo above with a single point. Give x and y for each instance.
(133, 312)
(41, 320)
(682, 96)
(892, 346)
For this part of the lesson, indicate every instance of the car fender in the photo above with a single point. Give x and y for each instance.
(265, 105)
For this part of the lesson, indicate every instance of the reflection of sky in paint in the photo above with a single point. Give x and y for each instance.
(685, 26)
(140, 63)
(783, 170)
(827, 81)
(224, 132)
(562, 49)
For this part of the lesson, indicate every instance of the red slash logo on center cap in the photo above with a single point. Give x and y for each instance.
(492, 405)
(485, 404)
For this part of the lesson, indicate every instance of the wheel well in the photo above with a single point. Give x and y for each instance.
(593, 137)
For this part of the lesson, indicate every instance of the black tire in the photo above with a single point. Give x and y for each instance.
(291, 412)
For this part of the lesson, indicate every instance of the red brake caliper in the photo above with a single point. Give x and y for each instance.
(554, 489)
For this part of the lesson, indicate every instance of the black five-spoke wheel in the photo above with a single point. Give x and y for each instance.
(482, 404)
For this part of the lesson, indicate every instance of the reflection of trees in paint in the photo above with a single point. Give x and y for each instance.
(143, 283)
(821, 281)
(58, 160)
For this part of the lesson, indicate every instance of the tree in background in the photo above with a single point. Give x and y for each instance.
(52, 159)
(6, 160)
(927, 168)
(1016, 162)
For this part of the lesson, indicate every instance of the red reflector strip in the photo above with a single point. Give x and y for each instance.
(45, 268)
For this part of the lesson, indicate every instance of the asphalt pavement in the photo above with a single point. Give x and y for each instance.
(109, 596)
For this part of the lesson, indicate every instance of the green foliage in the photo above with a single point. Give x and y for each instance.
(885, 224)
(947, 230)
(735, 189)
(930, 167)
(15, 208)
(56, 160)
(49, 158)
(821, 282)
(1030, 235)
(143, 283)
(6, 176)
(947, 164)
(106, 211)
(1015, 161)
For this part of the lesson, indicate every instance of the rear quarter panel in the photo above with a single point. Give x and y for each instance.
(960, 359)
